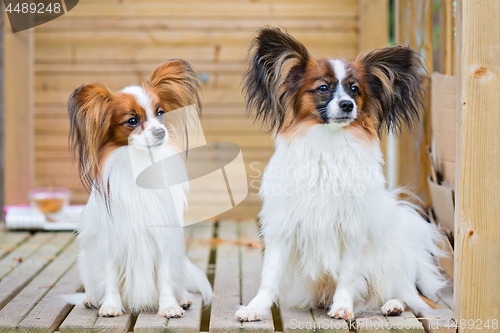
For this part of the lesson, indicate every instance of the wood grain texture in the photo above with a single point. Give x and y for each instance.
(251, 267)
(413, 22)
(373, 24)
(23, 252)
(11, 284)
(10, 240)
(227, 296)
(18, 117)
(13, 314)
(478, 194)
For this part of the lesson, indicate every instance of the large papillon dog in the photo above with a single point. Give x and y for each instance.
(132, 252)
(334, 235)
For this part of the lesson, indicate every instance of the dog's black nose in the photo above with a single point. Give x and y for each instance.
(346, 106)
(159, 133)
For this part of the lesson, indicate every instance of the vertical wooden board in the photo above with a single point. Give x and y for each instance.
(198, 249)
(477, 248)
(227, 281)
(24, 252)
(49, 312)
(406, 322)
(251, 267)
(377, 323)
(373, 24)
(21, 305)
(10, 240)
(19, 116)
(11, 284)
(325, 323)
(294, 320)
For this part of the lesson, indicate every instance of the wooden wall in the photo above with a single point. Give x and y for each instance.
(118, 42)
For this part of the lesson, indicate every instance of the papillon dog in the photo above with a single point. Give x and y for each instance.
(132, 253)
(335, 236)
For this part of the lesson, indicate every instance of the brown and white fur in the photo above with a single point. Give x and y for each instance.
(334, 235)
(131, 242)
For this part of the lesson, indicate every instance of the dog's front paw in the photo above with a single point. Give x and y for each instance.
(341, 312)
(174, 311)
(110, 311)
(393, 307)
(246, 313)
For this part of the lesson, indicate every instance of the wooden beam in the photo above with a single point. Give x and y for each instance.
(478, 194)
(19, 115)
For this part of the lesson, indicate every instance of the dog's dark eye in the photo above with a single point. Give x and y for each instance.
(159, 112)
(133, 122)
(354, 90)
(322, 89)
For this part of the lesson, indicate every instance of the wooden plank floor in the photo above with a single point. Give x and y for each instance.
(35, 269)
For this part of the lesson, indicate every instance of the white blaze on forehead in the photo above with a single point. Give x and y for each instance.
(340, 69)
(142, 98)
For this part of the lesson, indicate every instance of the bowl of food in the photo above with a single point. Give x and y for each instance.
(49, 199)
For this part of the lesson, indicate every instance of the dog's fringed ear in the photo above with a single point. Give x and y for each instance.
(276, 65)
(89, 126)
(177, 85)
(394, 78)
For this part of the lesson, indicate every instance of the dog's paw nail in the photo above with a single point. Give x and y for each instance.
(172, 312)
(110, 311)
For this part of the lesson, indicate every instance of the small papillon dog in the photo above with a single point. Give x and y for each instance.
(132, 253)
(335, 236)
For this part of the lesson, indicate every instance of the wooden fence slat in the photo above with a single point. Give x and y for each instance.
(198, 249)
(227, 281)
(10, 240)
(325, 323)
(51, 310)
(251, 267)
(21, 305)
(23, 252)
(11, 284)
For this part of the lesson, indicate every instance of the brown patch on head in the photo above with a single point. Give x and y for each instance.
(175, 84)
(124, 109)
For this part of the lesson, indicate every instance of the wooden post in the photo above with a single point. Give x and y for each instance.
(18, 114)
(414, 27)
(373, 24)
(477, 222)
(374, 33)
(2, 142)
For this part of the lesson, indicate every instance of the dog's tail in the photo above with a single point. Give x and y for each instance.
(196, 281)
(75, 299)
